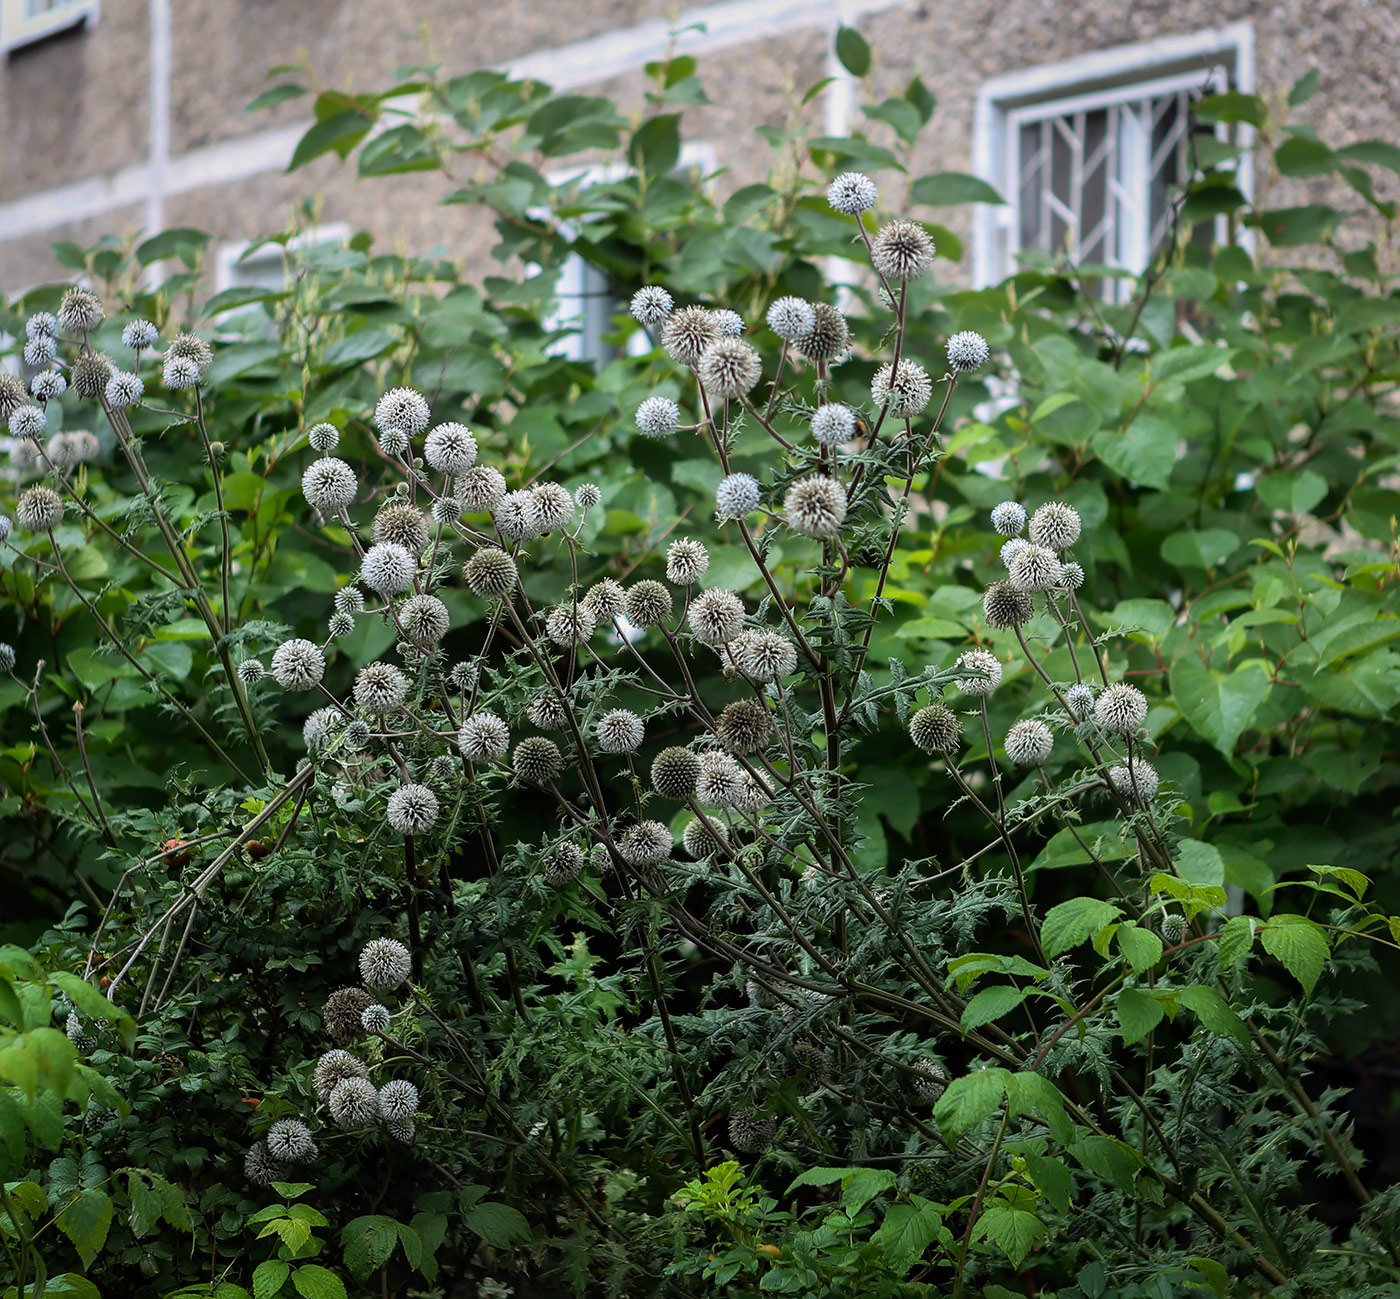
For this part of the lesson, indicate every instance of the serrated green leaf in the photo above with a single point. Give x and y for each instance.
(969, 1100)
(1299, 945)
(1141, 948)
(1074, 922)
(1213, 1011)
(1138, 1014)
(312, 1281)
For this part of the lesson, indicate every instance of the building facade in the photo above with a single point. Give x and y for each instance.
(119, 116)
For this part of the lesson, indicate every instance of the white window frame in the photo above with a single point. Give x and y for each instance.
(229, 259)
(1105, 77)
(570, 310)
(18, 27)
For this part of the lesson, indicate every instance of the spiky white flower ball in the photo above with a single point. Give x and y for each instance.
(412, 809)
(261, 1168)
(704, 837)
(1029, 743)
(402, 408)
(516, 517)
(29, 422)
(450, 448)
(329, 485)
(687, 333)
(139, 335)
(490, 572)
(729, 368)
(979, 660)
(907, 391)
(588, 496)
(394, 443)
(350, 599)
(731, 323)
(403, 1131)
(484, 737)
(620, 730)
(42, 324)
(320, 728)
(385, 964)
(537, 760)
(179, 373)
(967, 351)
(815, 507)
(657, 417)
(1055, 526)
(756, 794)
(790, 318)
(749, 1132)
(563, 862)
(4, 527)
(375, 1019)
(1006, 606)
(721, 780)
(463, 677)
(250, 672)
(7, 657)
(445, 511)
(339, 625)
(1120, 709)
(936, 729)
(398, 1100)
(648, 603)
(674, 772)
(763, 655)
(852, 193)
(401, 521)
(569, 625)
(333, 1068)
(48, 385)
(651, 305)
(744, 726)
(1011, 549)
(1072, 576)
(1079, 699)
(380, 688)
(88, 375)
(687, 561)
(1035, 569)
(298, 664)
(424, 619)
(929, 1081)
(829, 338)
(74, 447)
(354, 1102)
(716, 617)
(553, 505)
(736, 496)
(40, 351)
(606, 600)
(388, 568)
(646, 844)
(289, 1141)
(901, 251)
(833, 424)
(80, 312)
(1145, 776)
(324, 438)
(480, 489)
(124, 389)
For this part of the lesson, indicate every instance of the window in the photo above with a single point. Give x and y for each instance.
(1089, 153)
(22, 22)
(266, 266)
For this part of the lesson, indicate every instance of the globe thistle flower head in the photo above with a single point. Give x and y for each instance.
(1173, 929)
(983, 661)
(394, 443)
(648, 843)
(385, 964)
(791, 319)
(745, 726)
(388, 568)
(490, 572)
(721, 780)
(463, 677)
(412, 809)
(967, 351)
(674, 772)
(588, 496)
(74, 447)
(928, 1082)
(289, 1141)
(250, 672)
(40, 351)
(190, 347)
(424, 619)
(1071, 576)
(1006, 606)
(1029, 743)
(400, 522)
(651, 305)
(328, 484)
(829, 338)
(906, 391)
(815, 507)
(1011, 549)
(834, 424)
(480, 490)
(398, 1100)
(139, 335)
(376, 1019)
(179, 373)
(80, 312)
(901, 251)
(124, 389)
(516, 517)
(687, 561)
(716, 617)
(1034, 568)
(354, 1103)
(1055, 526)
(1138, 784)
(380, 688)
(755, 795)
(402, 1130)
(657, 417)
(606, 600)
(7, 657)
(936, 729)
(483, 737)
(404, 409)
(815, 1061)
(334, 1067)
(1121, 709)
(1079, 699)
(340, 624)
(648, 603)
(687, 333)
(729, 368)
(620, 730)
(736, 496)
(537, 760)
(298, 664)
(88, 375)
(553, 505)
(562, 863)
(42, 324)
(570, 625)
(450, 448)
(445, 511)
(12, 394)
(763, 655)
(341, 1015)
(547, 711)
(28, 422)
(730, 323)
(750, 1133)
(47, 385)
(852, 193)
(319, 728)
(704, 837)
(260, 1168)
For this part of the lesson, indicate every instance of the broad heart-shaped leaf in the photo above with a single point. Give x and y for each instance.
(1213, 1011)
(907, 1231)
(1138, 1014)
(368, 1242)
(497, 1224)
(1075, 922)
(947, 188)
(85, 1221)
(991, 1003)
(1144, 453)
(1219, 705)
(1206, 549)
(268, 1277)
(1017, 1231)
(312, 1281)
(969, 1100)
(1299, 944)
(1141, 948)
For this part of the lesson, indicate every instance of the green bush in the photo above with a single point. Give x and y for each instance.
(916, 946)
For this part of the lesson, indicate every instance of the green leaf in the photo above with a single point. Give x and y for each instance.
(1218, 705)
(368, 1242)
(1028, 1091)
(85, 1221)
(1293, 227)
(1303, 89)
(969, 1100)
(1199, 863)
(1074, 922)
(1110, 1159)
(312, 1281)
(949, 188)
(1299, 945)
(862, 1185)
(991, 1003)
(1292, 492)
(655, 147)
(1234, 942)
(183, 243)
(1232, 106)
(1213, 1011)
(275, 95)
(819, 1177)
(269, 1276)
(498, 1224)
(852, 51)
(1141, 948)
(907, 1232)
(1145, 453)
(1206, 549)
(1138, 1014)
(1016, 1231)
(1300, 156)
(338, 133)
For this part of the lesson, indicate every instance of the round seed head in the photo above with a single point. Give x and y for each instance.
(398, 1100)
(47, 385)
(907, 391)
(40, 351)
(402, 409)
(736, 496)
(80, 312)
(28, 422)
(490, 572)
(648, 603)
(385, 964)
(704, 837)
(298, 664)
(620, 730)
(179, 373)
(463, 677)
(1011, 549)
(7, 657)
(42, 324)
(763, 655)
(967, 351)
(250, 672)
(570, 625)
(450, 448)
(936, 729)
(190, 347)
(1072, 576)
(657, 417)
(1173, 929)
(341, 1017)
(1034, 568)
(979, 660)
(320, 728)
(1004, 606)
(39, 509)
(547, 711)
(589, 496)
(729, 367)
(139, 335)
(815, 507)
(376, 1019)
(749, 1132)
(289, 1142)
(721, 780)
(88, 375)
(687, 333)
(124, 389)
(1055, 526)
(755, 795)
(1137, 785)
(12, 395)
(1121, 709)
(401, 523)
(334, 1067)
(484, 737)
(260, 1168)
(1080, 701)
(815, 1061)
(516, 517)
(354, 1103)
(731, 323)
(388, 568)
(852, 193)
(833, 424)
(745, 726)
(75, 447)
(901, 251)
(1029, 743)
(928, 1082)
(402, 1130)
(606, 600)
(480, 489)
(674, 772)
(537, 760)
(562, 863)
(350, 599)
(829, 338)
(554, 506)
(380, 688)
(791, 319)
(329, 485)
(687, 561)
(413, 809)
(424, 619)
(651, 305)
(716, 617)
(647, 843)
